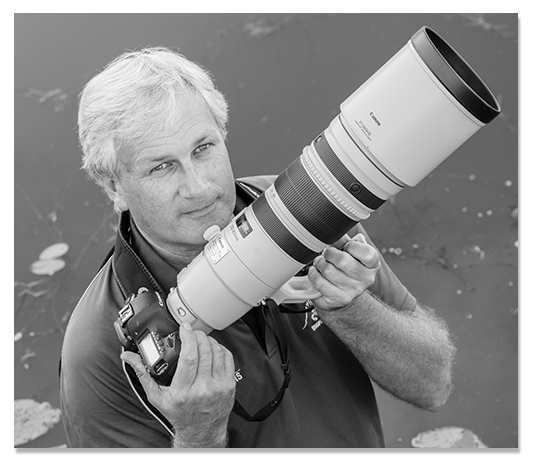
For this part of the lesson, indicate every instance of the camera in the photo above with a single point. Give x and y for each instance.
(407, 118)
(145, 326)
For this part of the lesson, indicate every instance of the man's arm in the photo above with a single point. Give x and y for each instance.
(200, 398)
(409, 354)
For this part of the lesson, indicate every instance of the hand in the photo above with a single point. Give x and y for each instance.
(341, 275)
(200, 398)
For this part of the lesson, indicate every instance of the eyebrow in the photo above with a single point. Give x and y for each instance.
(146, 159)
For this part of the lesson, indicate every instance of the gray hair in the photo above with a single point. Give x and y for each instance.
(133, 97)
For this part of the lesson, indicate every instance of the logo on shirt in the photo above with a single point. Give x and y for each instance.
(238, 376)
(315, 321)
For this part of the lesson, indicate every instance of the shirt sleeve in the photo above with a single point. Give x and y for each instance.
(387, 286)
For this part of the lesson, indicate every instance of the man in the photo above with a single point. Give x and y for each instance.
(152, 128)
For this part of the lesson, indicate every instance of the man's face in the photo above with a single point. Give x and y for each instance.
(180, 183)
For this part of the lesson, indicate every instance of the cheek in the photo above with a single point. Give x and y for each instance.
(222, 163)
(224, 175)
(146, 199)
(219, 175)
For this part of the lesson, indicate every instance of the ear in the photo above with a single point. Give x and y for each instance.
(115, 192)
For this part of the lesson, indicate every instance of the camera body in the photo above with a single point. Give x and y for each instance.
(144, 326)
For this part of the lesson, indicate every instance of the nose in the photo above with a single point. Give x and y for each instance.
(193, 182)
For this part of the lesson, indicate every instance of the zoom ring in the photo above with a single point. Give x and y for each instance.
(309, 206)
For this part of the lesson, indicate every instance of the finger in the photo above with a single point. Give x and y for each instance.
(187, 368)
(366, 254)
(205, 355)
(229, 369)
(337, 276)
(334, 294)
(151, 388)
(229, 363)
(340, 259)
(321, 283)
(218, 363)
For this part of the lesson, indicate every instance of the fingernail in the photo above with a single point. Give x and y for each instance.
(187, 326)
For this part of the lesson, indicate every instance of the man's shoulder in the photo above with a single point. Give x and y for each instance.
(94, 313)
(103, 289)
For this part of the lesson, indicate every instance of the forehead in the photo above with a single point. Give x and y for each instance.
(184, 112)
(185, 121)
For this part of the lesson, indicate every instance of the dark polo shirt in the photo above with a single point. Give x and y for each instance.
(330, 401)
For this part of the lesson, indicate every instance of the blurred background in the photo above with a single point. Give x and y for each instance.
(453, 240)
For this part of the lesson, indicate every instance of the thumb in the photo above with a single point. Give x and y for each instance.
(147, 382)
(360, 238)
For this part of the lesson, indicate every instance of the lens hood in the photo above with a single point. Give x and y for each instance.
(455, 75)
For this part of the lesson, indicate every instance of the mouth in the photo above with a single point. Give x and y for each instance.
(202, 211)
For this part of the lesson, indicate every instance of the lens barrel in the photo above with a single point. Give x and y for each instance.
(396, 128)
(325, 193)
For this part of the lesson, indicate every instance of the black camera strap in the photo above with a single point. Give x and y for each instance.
(274, 323)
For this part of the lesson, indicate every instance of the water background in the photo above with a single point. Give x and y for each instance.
(452, 240)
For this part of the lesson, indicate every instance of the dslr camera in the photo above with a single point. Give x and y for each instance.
(145, 326)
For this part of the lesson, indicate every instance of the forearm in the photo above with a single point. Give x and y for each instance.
(409, 354)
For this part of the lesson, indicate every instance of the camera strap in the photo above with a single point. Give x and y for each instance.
(274, 323)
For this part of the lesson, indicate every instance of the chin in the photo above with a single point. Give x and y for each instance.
(218, 219)
(222, 215)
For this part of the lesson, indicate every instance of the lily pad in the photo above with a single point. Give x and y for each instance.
(447, 437)
(54, 251)
(33, 419)
(47, 266)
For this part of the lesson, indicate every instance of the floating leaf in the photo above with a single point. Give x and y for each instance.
(33, 419)
(447, 437)
(47, 266)
(27, 356)
(54, 251)
(18, 336)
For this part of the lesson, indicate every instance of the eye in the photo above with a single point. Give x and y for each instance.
(160, 167)
(203, 148)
